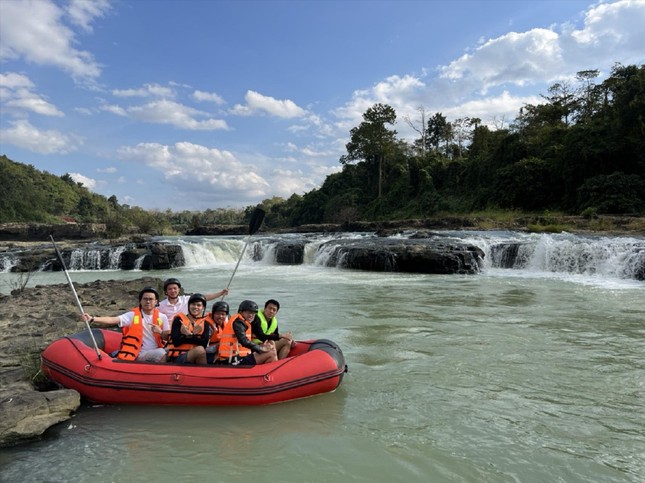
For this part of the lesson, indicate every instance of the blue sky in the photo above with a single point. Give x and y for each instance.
(196, 104)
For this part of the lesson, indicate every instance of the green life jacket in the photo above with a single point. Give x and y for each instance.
(266, 328)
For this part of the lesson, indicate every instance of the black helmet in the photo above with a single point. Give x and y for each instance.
(220, 306)
(171, 281)
(248, 305)
(197, 297)
(148, 290)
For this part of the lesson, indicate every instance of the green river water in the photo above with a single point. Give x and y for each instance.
(505, 376)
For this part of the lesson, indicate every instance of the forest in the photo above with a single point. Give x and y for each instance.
(580, 151)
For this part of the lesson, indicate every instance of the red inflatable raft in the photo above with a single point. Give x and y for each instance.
(313, 367)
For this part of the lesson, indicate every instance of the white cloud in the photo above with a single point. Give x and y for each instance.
(24, 135)
(202, 96)
(515, 58)
(146, 90)
(16, 95)
(484, 82)
(33, 30)
(178, 115)
(109, 170)
(83, 12)
(13, 80)
(199, 171)
(89, 183)
(256, 102)
(114, 109)
(492, 108)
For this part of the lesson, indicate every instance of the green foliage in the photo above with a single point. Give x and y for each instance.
(616, 193)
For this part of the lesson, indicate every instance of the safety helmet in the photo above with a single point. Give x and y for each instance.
(197, 297)
(220, 306)
(171, 281)
(148, 290)
(248, 305)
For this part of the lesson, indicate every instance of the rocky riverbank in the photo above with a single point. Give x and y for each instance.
(29, 321)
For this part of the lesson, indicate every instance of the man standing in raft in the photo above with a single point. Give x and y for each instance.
(175, 304)
(235, 345)
(145, 329)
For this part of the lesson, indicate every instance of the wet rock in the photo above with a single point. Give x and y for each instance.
(405, 255)
(40, 315)
(27, 414)
(291, 253)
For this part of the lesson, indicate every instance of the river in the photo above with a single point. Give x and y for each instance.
(526, 374)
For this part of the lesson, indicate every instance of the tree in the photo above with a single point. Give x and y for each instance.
(439, 130)
(372, 141)
(419, 143)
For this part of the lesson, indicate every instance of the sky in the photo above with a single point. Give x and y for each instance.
(198, 104)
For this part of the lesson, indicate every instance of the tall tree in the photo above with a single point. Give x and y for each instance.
(372, 141)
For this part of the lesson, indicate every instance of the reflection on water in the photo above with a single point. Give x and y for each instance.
(470, 378)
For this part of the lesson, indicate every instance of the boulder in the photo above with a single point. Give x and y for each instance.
(404, 255)
(40, 315)
(27, 414)
(290, 253)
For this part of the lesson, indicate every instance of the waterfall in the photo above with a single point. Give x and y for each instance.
(203, 251)
(76, 259)
(611, 257)
(114, 257)
(138, 262)
(6, 262)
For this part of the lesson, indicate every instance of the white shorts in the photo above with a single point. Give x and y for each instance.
(154, 355)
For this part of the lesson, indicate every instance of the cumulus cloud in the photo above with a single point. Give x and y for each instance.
(178, 115)
(170, 112)
(24, 135)
(196, 169)
(147, 90)
(89, 183)
(17, 96)
(478, 84)
(258, 103)
(515, 58)
(33, 30)
(202, 96)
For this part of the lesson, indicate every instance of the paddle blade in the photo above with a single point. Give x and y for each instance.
(256, 220)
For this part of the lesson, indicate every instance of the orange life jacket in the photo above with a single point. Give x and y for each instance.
(133, 335)
(215, 330)
(229, 346)
(177, 350)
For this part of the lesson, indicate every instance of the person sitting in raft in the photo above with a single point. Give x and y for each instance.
(235, 345)
(145, 329)
(190, 333)
(216, 320)
(175, 304)
(265, 327)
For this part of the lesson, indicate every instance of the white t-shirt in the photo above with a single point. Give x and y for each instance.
(171, 310)
(149, 341)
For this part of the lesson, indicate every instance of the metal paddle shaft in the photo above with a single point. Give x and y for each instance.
(78, 302)
(254, 225)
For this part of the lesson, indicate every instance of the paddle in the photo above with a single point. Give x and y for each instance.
(254, 225)
(78, 302)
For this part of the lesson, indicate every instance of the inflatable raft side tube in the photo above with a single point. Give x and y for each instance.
(86, 338)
